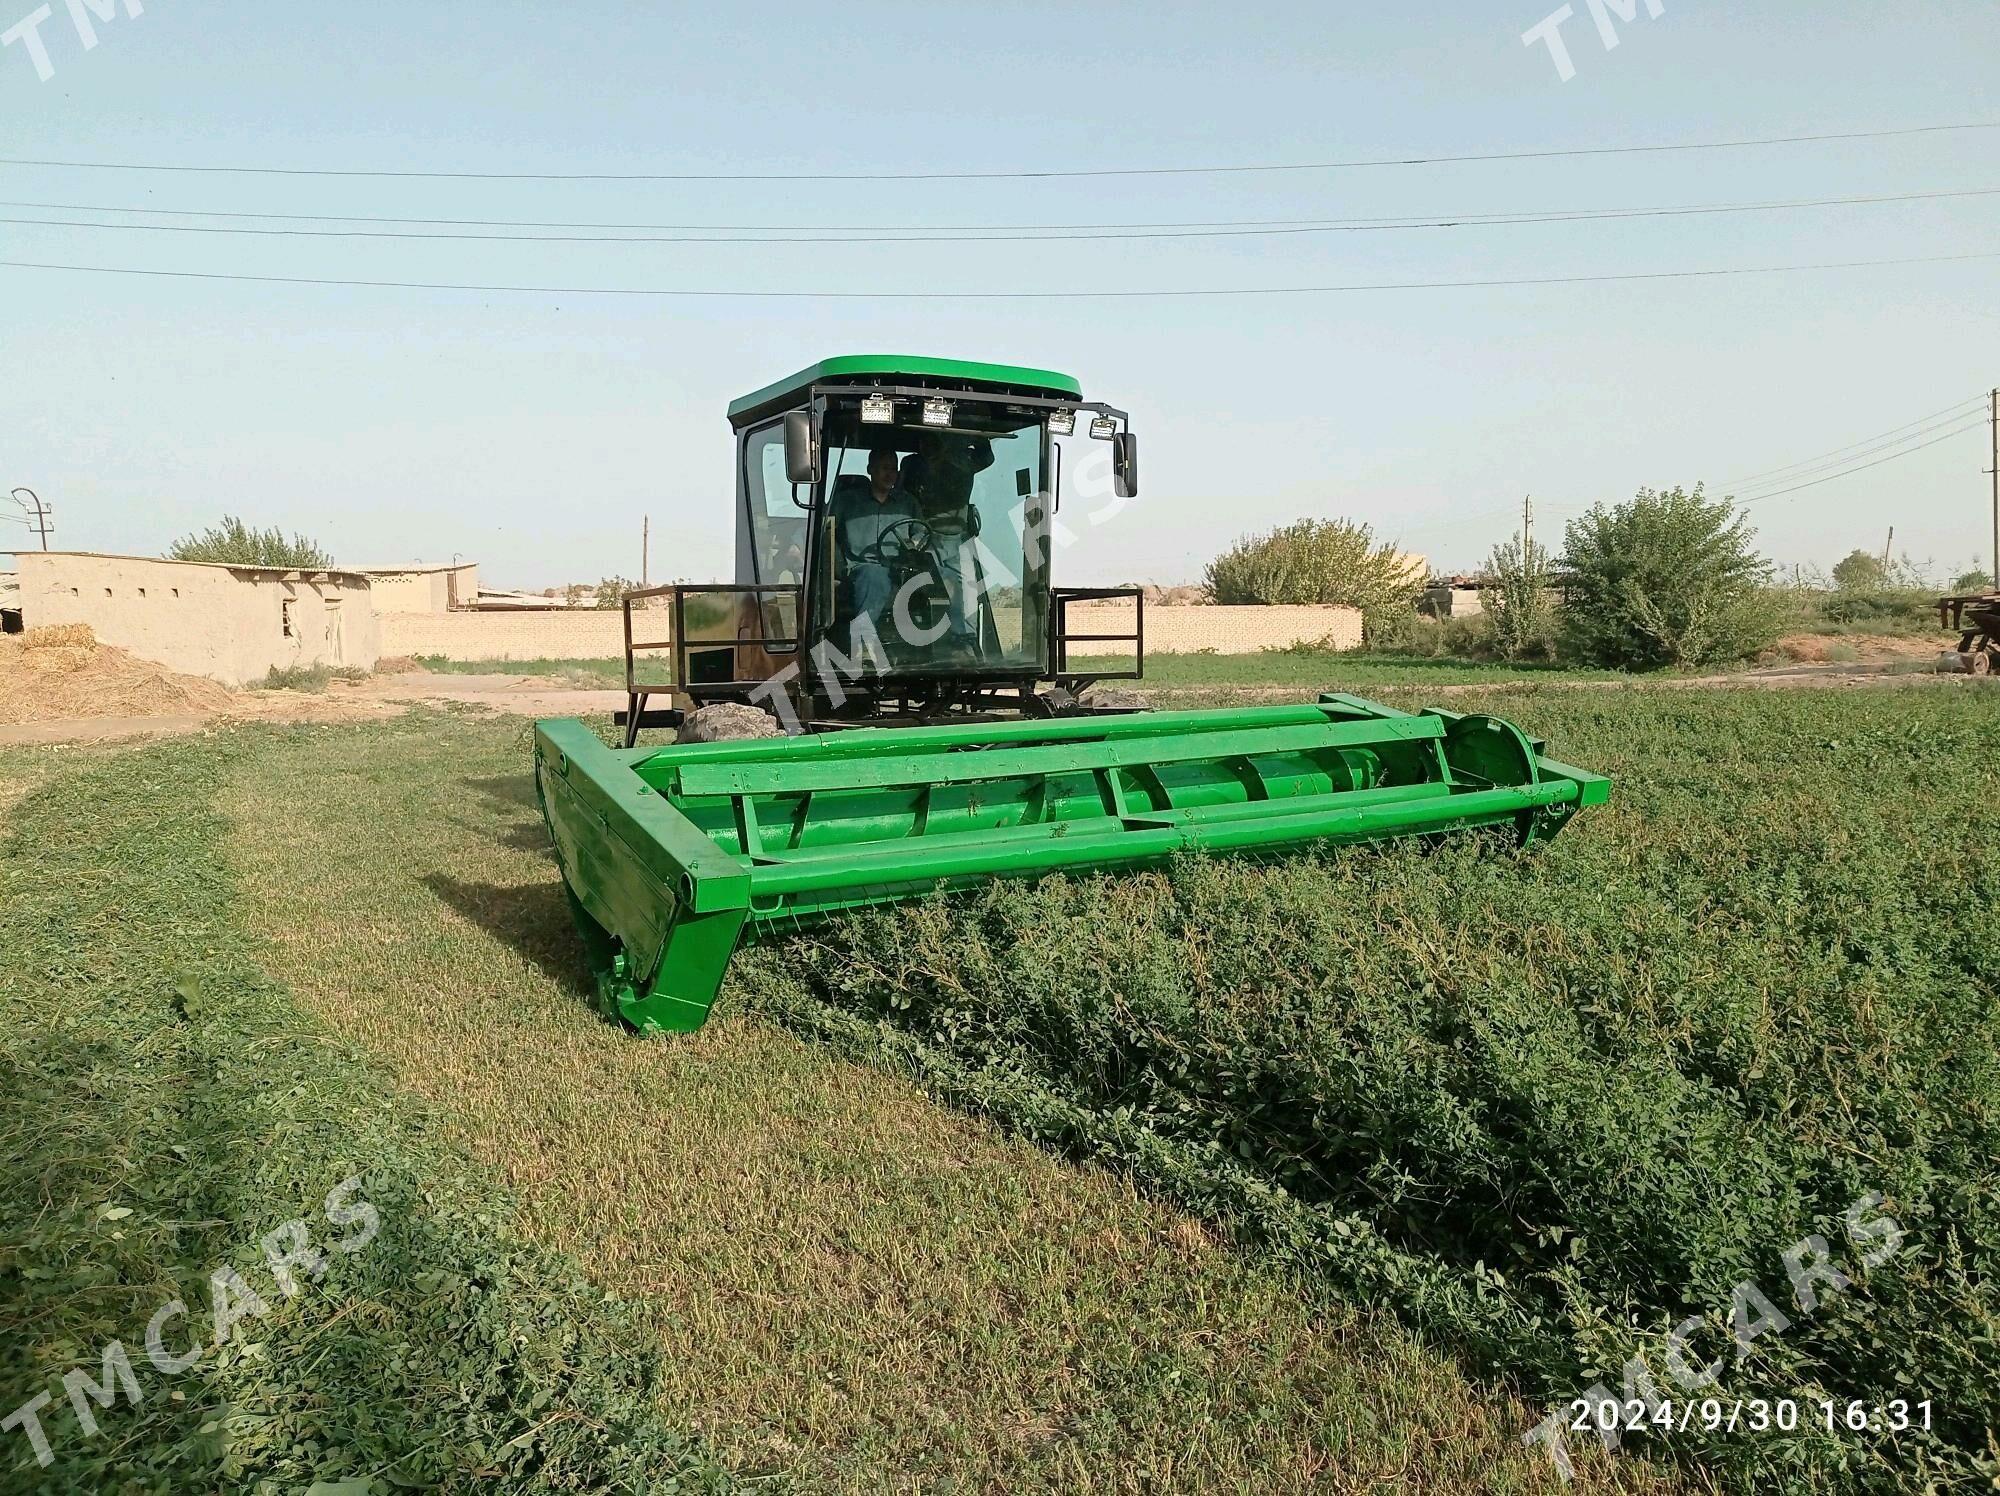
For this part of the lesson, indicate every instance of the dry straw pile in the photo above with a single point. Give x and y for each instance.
(49, 674)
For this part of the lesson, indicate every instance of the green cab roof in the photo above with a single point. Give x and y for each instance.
(1001, 379)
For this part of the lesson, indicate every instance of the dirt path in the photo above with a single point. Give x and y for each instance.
(97, 730)
(520, 695)
(248, 706)
(370, 700)
(537, 696)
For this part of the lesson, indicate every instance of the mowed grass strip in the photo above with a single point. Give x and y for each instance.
(848, 1284)
(23, 768)
(165, 1106)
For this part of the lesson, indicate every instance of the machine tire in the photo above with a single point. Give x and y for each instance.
(728, 722)
(1115, 699)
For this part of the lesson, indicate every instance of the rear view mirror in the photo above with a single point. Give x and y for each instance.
(1125, 464)
(801, 451)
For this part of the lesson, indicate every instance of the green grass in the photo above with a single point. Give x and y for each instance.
(845, 1283)
(1548, 1105)
(167, 1105)
(21, 769)
(1528, 1110)
(1313, 670)
(311, 679)
(1898, 612)
(582, 673)
(1306, 671)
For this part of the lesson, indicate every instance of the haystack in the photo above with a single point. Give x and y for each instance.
(50, 674)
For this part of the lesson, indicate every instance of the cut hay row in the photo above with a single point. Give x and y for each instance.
(1551, 1107)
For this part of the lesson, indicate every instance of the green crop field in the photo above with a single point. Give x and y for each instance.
(584, 674)
(1332, 1172)
(1305, 670)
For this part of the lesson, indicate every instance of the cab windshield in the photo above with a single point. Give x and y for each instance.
(932, 538)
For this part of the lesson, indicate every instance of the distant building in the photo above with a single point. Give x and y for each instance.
(1452, 597)
(10, 603)
(423, 589)
(233, 624)
(497, 600)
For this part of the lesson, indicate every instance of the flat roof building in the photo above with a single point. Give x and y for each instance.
(418, 588)
(234, 624)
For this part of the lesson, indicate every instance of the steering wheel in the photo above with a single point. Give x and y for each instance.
(919, 539)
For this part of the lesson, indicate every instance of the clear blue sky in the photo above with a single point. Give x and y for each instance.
(532, 432)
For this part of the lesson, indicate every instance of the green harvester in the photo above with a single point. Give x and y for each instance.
(885, 705)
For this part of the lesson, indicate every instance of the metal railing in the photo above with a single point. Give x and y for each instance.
(1062, 639)
(706, 659)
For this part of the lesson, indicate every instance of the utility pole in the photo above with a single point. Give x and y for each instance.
(1527, 529)
(1888, 546)
(646, 551)
(38, 512)
(1994, 420)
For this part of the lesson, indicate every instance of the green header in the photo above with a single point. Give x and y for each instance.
(1000, 378)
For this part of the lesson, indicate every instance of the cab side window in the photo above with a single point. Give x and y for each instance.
(777, 525)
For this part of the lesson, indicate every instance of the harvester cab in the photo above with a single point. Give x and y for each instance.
(893, 608)
(895, 526)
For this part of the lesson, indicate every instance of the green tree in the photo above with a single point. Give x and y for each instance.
(1323, 561)
(235, 544)
(1519, 602)
(610, 593)
(1978, 580)
(1860, 572)
(1664, 579)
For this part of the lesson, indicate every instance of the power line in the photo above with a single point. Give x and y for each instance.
(1861, 450)
(916, 234)
(1862, 468)
(991, 176)
(1949, 412)
(1754, 490)
(1112, 295)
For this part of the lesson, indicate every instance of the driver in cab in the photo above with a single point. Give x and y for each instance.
(862, 518)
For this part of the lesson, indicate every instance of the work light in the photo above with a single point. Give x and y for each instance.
(1062, 422)
(878, 410)
(1104, 428)
(937, 412)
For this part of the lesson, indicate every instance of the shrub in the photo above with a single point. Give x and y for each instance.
(1404, 631)
(311, 678)
(1860, 572)
(1973, 581)
(1895, 611)
(610, 593)
(234, 543)
(1520, 603)
(1665, 579)
(1322, 561)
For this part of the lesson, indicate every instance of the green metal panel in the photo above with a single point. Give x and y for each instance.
(1001, 378)
(672, 854)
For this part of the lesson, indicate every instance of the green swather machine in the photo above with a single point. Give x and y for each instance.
(885, 703)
